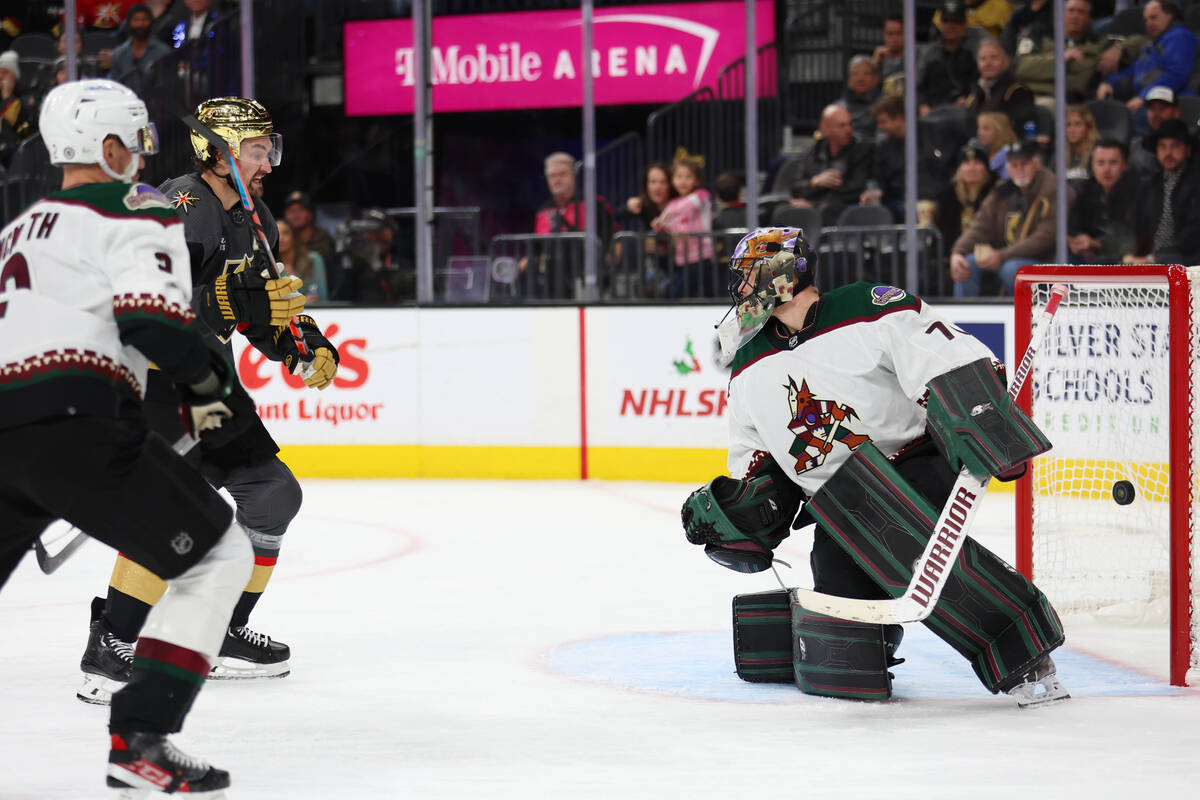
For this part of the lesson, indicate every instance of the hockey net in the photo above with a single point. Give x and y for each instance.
(1115, 389)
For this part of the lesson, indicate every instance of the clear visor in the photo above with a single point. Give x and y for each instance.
(147, 140)
(259, 151)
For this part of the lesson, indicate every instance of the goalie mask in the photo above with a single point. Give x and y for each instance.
(236, 119)
(769, 266)
(77, 117)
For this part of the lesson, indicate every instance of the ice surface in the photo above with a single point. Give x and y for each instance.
(456, 639)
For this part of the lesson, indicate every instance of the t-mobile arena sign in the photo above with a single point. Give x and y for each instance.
(485, 62)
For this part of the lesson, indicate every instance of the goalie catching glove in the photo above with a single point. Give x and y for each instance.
(245, 297)
(741, 522)
(976, 425)
(322, 358)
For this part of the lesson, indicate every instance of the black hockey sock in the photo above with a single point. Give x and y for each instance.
(241, 612)
(166, 679)
(124, 615)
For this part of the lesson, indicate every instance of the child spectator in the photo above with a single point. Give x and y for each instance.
(695, 272)
(731, 211)
(305, 264)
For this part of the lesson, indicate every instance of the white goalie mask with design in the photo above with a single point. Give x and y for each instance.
(769, 266)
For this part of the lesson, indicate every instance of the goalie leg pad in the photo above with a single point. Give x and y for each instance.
(976, 424)
(988, 612)
(762, 637)
(840, 658)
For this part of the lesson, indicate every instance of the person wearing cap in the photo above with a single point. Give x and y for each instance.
(1035, 58)
(1167, 60)
(298, 211)
(959, 201)
(1167, 220)
(133, 59)
(1013, 227)
(997, 89)
(989, 15)
(946, 69)
(1161, 105)
(15, 123)
(1100, 224)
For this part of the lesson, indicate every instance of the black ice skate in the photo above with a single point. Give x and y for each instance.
(107, 662)
(1039, 686)
(144, 765)
(246, 654)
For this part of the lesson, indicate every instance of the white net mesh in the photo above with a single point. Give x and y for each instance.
(1100, 392)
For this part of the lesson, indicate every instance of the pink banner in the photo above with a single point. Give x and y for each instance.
(484, 62)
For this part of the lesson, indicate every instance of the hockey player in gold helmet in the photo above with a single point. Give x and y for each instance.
(234, 294)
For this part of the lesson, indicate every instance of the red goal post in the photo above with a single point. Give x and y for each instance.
(1115, 389)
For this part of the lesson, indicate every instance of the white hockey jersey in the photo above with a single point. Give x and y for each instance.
(856, 373)
(83, 273)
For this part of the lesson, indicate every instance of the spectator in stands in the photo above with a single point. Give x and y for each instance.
(16, 123)
(834, 171)
(889, 56)
(1167, 60)
(1081, 135)
(305, 264)
(373, 275)
(1032, 21)
(657, 191)
(1100, 225)
(1081, 52)
(988, 15)
(1160, 107)
(562, 213)
(132, 61)
(1167, 218)
(995, 134)
(959, 202)
(695, 272)
(299, 212)
(862, 90)
(161, 27)
(946, 70)
(997, 89)
(191, 21)
(889, 164)
(731, 211)
(1013, 227)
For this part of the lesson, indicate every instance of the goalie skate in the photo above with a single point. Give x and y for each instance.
(146, 765)
(246, 654)
(107, 664)
(1039, 687)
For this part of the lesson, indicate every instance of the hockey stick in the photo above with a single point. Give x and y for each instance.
(932, 570)
(223, 148)
(49, 562)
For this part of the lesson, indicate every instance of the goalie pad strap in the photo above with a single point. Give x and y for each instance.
(988, 612)
(762, 637)
(976, 424)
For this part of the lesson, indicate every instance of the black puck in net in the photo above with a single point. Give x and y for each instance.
(1123, 493)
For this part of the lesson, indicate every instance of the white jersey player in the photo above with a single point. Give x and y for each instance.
(857, 396)
(95, 280)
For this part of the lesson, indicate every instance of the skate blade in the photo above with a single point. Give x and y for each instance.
(235, 669)
(1052, 694)
(97, 689)
(131, 793)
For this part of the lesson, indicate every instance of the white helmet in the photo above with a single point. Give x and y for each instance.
(78, 116)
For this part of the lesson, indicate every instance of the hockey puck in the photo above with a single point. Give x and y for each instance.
(1123, 493)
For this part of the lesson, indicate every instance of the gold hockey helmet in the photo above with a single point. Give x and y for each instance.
(235, 119)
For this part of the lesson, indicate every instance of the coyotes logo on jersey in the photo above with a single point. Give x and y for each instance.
(817, 424)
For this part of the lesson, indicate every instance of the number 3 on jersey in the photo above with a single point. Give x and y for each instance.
(15, 275)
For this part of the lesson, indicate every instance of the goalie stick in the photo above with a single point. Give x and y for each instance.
(949, 533)
(50, 562)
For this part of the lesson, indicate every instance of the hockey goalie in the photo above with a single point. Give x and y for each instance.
(856, 409)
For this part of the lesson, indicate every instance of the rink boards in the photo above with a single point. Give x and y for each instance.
(620, 393)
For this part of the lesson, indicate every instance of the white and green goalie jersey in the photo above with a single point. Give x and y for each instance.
(855, 373)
